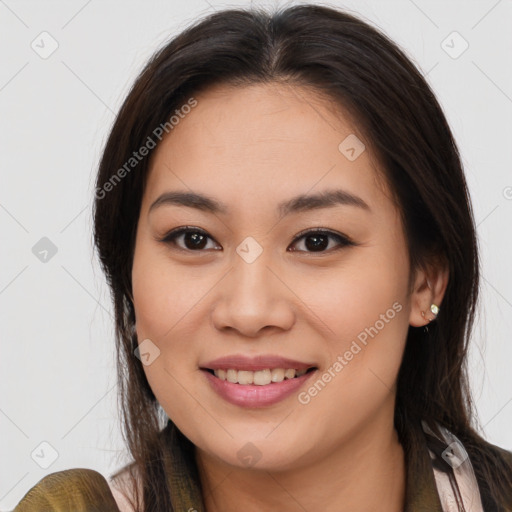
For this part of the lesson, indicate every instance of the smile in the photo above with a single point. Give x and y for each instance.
(257, 389)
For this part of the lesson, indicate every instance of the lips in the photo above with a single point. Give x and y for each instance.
(256, 393)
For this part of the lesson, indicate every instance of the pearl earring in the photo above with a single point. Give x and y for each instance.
(434, 309)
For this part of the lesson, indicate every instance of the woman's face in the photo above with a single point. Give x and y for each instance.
(247, 295)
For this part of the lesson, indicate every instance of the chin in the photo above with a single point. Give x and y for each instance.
(259, 453)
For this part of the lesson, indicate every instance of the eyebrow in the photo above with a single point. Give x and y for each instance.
(300, 203)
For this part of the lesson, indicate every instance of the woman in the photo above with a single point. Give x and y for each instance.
(283, 219)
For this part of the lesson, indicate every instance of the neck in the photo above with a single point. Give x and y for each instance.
(365, 473)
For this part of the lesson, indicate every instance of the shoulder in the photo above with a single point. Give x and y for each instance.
(125, 485)
(77, 489)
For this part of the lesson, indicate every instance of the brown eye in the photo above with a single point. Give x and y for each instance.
(318, 241)
(192, 239)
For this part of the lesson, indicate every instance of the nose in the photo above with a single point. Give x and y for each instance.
(253, 299)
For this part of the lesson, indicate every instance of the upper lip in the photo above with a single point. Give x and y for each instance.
(255, 363)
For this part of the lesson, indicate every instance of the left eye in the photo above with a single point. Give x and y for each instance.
(195, 239)
(318, 240)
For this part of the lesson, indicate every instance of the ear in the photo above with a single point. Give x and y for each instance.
(429, 288)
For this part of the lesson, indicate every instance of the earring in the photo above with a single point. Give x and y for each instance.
(434, 309)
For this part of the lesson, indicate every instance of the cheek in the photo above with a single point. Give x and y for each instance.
(360, 294)
(164, 293)
(370, 322)
(168, 308)
(365, 308)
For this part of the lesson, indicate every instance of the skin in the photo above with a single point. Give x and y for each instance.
(251, 148)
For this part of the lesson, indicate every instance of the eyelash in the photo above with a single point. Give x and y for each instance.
(343, 241)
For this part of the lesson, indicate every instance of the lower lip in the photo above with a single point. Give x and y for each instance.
(250, 395)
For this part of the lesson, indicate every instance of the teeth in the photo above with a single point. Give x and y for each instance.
(277, 375)
(232, 376)
(289, 374)
(245, 377)
(260, 377)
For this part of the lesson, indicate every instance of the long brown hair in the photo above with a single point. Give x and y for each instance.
(355, 65)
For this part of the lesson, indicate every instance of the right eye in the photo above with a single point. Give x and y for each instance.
(193, 239)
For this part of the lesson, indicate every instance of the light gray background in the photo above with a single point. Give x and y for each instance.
(56, 366)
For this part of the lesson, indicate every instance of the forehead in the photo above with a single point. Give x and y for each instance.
(264, 141)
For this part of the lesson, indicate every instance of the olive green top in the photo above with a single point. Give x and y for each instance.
(86, 490)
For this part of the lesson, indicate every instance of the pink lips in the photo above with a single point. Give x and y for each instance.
(250, 395)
